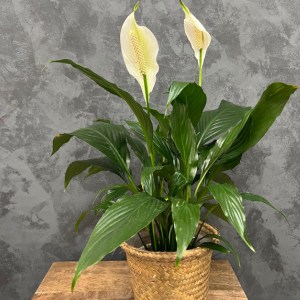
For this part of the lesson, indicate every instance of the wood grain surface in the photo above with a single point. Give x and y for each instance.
(110, 280)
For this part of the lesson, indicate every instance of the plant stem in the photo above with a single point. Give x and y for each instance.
(146, 94)
(151, 154)
(187, 193)
(147, 97)
(200, 69)
(161, 187)
(154, 236)
(199, 231)
(144, 244)
(151, 229)
(198, 186)
(132, 184)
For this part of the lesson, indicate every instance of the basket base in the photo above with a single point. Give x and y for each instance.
(154, 274)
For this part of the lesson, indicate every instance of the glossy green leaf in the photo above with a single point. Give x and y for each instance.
(166, 172)
(80, 219)
(239, 146)
(112, 194)
(112, 88)
(231, 203)
(109, 139)
(221, 166)
(138, 147)
(222, 145)
(163, 121)
(268, 108)
(160, 144)
(75, 168)
(147, 178)
(263, 115)
(216, 210)
(175, 89)
(147, 175)
(178, 182)
(184, 137)
(59, 140)
(191, 95)
(227, 245)
(119, 223)
(92, 171)
(202, 196)
(222, 177)
(102, 164)
(216, 247)
(216, 122)
(257, 198)
(186, 217)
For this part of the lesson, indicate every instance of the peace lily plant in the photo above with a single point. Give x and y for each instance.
(183, 159)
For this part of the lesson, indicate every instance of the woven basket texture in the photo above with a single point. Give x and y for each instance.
(154, 275)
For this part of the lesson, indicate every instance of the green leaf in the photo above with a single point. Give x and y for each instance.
(59, 140)
(216, 247)
(262, 117)
(216, 210)
(102, 164)
(102, 120)
(147, 175)
(203, 195)
(268, 108)
(92, 171)
(80, 219)
(191, 95)
(112, 88)
(215, 122)
(220, 166)
(257, 198)
(75, 168)
(163, 121)
(231, 201)
(222, 145)
(138, 147)
(178, 182)
(227, 244)
(119, 223)
(239, 146)
(175, 89)
(184, 137)
(109, 139)
(186, 217)
(160, 144)
(166, 172)
(222, 177)
(147, 178)
(112, 194)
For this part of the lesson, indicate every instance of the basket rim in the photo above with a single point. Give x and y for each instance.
(189, 254)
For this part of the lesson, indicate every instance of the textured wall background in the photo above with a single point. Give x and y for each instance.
(254, 43)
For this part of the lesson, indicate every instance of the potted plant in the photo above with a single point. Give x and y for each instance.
(184, 154)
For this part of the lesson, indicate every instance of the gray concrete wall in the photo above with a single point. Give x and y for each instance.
(254, 43)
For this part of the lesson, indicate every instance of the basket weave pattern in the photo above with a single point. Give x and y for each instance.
(154, 275)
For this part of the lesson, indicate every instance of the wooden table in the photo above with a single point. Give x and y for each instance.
(110, 280)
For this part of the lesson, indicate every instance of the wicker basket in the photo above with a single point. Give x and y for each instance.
(154, 275)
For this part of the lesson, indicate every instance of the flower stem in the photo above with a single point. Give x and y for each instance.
(150, 149)
(146, 94)
(200, 68)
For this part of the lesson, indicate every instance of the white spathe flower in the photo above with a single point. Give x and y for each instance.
(196, 34)
(139, 49)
